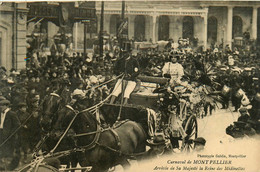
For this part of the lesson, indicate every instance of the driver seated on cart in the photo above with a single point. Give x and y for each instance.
(128, 65)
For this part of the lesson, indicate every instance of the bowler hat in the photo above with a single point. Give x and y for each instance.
(158, 139)
(200, 140)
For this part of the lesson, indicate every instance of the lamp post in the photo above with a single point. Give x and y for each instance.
(122, 20)
(101, 30)
(85, 35)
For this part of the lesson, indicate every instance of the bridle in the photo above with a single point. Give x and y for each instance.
(97, 133)
(49, 114)
(94, 143)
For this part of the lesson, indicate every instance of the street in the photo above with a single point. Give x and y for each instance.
(221, 152)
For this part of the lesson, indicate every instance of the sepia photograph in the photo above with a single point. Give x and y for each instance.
(130, 85)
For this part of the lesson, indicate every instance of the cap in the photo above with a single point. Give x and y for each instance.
(257, 97)
(22, 91)
(2, 98)
(4, 102)
(236, 70)
(22, 104)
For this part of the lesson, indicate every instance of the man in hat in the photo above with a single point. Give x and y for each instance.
(22, 112)
(173, 69)
(130, 67)
(54, 46)
(199, 144)
(255, 110)
(235, 83)
(158, 147)
(5, 88)
(2, 98)
(9, 122)
(24, 133)
(65, 93)
(2, 72)
(248, 122)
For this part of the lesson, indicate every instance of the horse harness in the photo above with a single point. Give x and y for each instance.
(98, 132)
(95, 141)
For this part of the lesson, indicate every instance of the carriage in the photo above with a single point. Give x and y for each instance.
(144, 109)
(150, 100)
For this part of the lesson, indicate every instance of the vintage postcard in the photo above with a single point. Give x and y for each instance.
(130, 85)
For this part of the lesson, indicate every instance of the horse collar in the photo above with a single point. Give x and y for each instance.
(117, 138)
(55, 94)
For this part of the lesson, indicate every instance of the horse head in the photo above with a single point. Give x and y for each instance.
(83, 103)
(81, 122)
(49, 108)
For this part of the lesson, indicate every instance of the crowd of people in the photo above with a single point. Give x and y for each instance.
(70, 74)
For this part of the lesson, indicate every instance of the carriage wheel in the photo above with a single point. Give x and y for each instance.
(191, 129)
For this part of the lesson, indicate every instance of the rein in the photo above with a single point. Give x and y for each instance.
(98, 132)
(71, 122)
(40, 143)
(101, 130)
(95, 142)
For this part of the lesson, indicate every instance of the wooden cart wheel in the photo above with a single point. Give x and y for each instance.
(191, 129)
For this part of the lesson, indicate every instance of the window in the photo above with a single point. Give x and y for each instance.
(237, 27)
(163, 30)
(114, 23)
(139, 28)
(188, 27)
(212, 29)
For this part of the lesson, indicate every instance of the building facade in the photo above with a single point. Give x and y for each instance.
(13, 35)
(210, 22)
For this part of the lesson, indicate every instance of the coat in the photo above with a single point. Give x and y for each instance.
(11, 123)
(129, 66)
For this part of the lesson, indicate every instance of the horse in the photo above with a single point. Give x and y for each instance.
(50, 106)
(54, 111)
(52, 103)
(105, 148)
